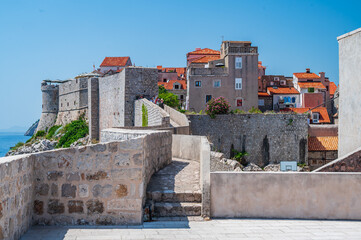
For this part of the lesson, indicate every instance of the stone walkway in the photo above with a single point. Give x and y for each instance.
(179, 176)
(214, 229)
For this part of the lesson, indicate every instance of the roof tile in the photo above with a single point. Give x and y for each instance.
(323, 143)
(306, 75)
(282, 90)
(114, 62)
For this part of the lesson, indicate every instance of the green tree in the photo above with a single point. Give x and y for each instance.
(168, 98)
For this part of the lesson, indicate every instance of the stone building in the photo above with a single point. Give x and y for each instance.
(233, 76)
(174, 80)
(350, 85)
(114, 64)
(201, 56)
(105, 102)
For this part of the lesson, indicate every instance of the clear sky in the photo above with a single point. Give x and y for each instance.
(60, 39)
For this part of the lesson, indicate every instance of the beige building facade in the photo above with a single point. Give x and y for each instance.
(234, 76)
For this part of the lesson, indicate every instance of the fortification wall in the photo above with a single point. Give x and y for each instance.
(73, 101)
(156, 115)
(99, 184)
(140, 82)
(267, 138)
(50, 106)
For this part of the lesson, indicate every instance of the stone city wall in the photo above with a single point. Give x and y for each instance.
(267, 138)
(286, 195)
(97, 184)
(16, 195)
(73, 101)
(156, 115)
(348, 163)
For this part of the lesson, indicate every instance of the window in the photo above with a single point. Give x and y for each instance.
(164, 80)
(181, 97)
(198, 83)
(216, 83)
(260, 102)
(327, 88)
(238, 62)
(276, 78)
(238, 84)
(239, 102)
(293, 99)
(208, 98)
(311, 90)
(272, 83)
(176, 86)
(287, 99)
(315, 117)
(283, 82)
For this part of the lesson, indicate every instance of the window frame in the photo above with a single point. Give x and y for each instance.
(262, 100)
(214, 82)
(236, 63)
(200, 84)
(241, 102)
(207, 98)
(237, 84)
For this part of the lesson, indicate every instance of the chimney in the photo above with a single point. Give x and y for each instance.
(322, 75)
(308, 70)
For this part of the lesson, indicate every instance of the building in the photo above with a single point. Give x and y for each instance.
(174, 80)
(314, 89)
(105, 102)
(234, 76)
(284, 97)
(202, 56)
(114, 64)
(350, 85)
(317, 115)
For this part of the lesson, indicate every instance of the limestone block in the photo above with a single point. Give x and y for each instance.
(73, 176)
(100, 191)
(126, 174)
(96, 176)
(54, 190)
(42, 189)
(75, 206)
(83, 190)
(121, 190)
(122, 159)
(68, 190)
(38, 207)
(54, 175)
(94, 206)
(55, 207)
(125, 204)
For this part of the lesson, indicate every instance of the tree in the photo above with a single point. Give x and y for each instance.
(168, 98)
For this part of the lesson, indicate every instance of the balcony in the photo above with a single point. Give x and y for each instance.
(238, 50)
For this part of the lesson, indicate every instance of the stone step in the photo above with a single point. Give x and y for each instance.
(170, 196)
(177, 209)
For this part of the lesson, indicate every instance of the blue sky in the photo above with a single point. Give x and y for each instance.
(60, 39)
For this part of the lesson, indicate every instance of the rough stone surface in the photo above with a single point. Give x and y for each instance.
(156, 115)
(68, 190)
(259, 135)
(348, 163)
(252, 167)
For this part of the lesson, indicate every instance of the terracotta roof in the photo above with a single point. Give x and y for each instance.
(282, 90)
(204, 51)
(178, 70)
(114, 62)
(323, 143)
(260, 65)
(333, 88)
(206, 59)
(323, 118)
(169, 85)
(263, 94)
(317, 85)
(306, 75)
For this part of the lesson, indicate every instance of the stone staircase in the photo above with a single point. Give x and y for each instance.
(173, 192)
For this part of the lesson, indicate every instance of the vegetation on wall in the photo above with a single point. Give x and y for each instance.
(144, 116)
(51, 131)
(73, 131)
(168, 98)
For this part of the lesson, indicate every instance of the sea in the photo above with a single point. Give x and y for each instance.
(9, 139)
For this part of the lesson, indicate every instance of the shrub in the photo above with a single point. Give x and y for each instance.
(254, 110)
(168, 98)
(51, 131)
(19, 144)
(40, 133)
(144, 116)
(217, 106)
(73, 131)
(239, 156)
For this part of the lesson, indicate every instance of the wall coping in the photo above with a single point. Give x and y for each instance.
(348, 34)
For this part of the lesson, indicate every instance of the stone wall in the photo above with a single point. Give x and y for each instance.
(317, 159)
(73, 101)
(156, 115)
(349, 102)
(16, 195)
(348, 163)
(286, 195)
(97, 184)
(267, 138)
(50, 106)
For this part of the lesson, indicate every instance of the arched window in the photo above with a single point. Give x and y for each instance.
(293, 99)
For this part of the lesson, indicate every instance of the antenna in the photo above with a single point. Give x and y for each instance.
(222, 38)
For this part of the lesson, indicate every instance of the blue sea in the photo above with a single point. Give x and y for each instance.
(9, 139)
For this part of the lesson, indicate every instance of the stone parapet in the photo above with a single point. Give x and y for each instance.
(156, 115)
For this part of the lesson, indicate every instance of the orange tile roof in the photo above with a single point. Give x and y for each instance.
(169, 85)
(114, 62)
(206, 59)
(317, 85)
(204, 51)
(324, 118)
(306, 75)
(282, 90)
(178, 70)
(333, 88)
(323, 143)
(263, 94)
(260, 65)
